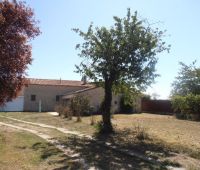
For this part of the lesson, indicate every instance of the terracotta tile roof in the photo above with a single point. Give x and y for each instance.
(56, 82)
(71, 94)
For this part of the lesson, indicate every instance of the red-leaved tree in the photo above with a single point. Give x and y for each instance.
(17, 27)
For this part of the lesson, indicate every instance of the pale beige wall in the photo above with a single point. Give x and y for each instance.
(116, 104)
(96, 97)
(138, 105)
(47, 95)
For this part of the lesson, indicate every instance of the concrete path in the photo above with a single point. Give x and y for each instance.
(53, 113)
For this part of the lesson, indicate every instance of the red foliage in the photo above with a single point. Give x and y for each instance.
(17, 28)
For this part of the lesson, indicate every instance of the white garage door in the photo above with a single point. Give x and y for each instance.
(16, 105)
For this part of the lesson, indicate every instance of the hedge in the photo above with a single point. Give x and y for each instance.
(187, 107)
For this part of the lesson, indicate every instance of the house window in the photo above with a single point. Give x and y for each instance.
(33, 97)
(57, 98)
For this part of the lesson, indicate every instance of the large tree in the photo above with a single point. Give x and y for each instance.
(187, 81)
(17, 28)
(124, 54)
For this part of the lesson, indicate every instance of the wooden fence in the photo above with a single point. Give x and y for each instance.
(156, 106)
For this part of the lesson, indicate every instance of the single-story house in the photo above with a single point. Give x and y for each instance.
(44, 94)
(95, 96)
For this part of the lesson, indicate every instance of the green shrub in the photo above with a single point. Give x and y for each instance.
(187, 107)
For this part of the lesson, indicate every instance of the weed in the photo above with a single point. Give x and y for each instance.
(98, 126)
(141, 132)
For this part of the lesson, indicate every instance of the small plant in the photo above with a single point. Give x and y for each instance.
(67, 113)
(92, 120)
(59, 109)
(99, 126)
(141, 132)
(64, 111)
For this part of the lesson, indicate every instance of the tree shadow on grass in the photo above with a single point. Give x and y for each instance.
(104, 158)
(56, 157)
(46, 149)
(96, 155)
(140, 143)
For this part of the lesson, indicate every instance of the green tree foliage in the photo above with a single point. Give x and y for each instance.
(126, 107)
(122, 54)
(17, 28)
(187, 107)
(186, 92)
(79, 105)
(187, 81)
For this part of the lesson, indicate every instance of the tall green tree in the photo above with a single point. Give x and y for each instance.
(124, 54)
(187, 81)
(17, 27)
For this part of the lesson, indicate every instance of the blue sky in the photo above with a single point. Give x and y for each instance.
(54, 51)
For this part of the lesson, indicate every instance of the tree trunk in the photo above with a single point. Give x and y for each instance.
(106, 115)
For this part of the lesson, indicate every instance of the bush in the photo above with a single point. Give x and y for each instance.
(79, 105)
(63, 111)
(187, 107)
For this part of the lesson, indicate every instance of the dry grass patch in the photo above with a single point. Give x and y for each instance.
(45, 118)
(167, 131)
(104, 157)
(164, 127)
(182, 134)
(51, 132)
(20, 150)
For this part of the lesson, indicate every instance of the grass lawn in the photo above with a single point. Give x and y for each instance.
(165, 134)
(54, 120)
(167, 128)
(164, 127)
(24, 151)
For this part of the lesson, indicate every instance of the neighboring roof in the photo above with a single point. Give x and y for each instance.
(56, 82)
(71, 94)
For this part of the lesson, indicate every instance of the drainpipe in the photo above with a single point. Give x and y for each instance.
(40, 106)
